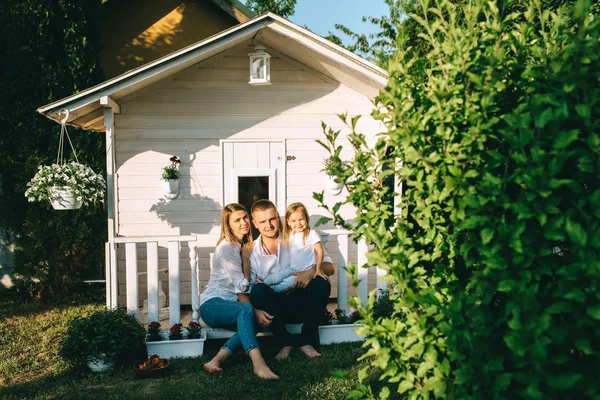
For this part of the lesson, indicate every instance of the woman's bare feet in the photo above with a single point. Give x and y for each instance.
(212, 367)
(283, 353)
(310, 351)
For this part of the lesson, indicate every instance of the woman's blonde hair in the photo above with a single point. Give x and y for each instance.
(226, 233)
(287, 230)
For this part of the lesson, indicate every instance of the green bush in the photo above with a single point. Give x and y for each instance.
(495, 253)
(113, 334)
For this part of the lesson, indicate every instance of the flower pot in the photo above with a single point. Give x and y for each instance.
(331, 187)
(339, 333)
(63, 199)
(101, 364)
(152, 373)
(176, 348)
(170, 188)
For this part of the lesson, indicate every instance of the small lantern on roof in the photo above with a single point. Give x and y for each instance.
(260, 67)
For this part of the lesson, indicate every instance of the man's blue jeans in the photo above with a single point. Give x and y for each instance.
(233, 315)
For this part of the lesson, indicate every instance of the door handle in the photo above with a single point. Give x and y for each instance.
(291, 158)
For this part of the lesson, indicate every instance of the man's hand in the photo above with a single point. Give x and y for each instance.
(247, 249)
(263, 318)
(303, 278)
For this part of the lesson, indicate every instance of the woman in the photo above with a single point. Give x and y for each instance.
(219, 305)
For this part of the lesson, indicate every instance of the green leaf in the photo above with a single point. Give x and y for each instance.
(385, 393)
(323, 221)
(576, 232)
(404, 386)
(564, 381)
(564, 139)
(486, 235)
(594, 311)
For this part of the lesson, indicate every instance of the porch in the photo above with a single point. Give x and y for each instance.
(155, 288)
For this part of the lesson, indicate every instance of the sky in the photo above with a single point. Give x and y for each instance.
(320, 16)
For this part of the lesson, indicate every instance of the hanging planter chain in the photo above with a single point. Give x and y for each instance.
(61, 140)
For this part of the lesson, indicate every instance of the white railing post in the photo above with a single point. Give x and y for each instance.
(342, 274)
(363, 273)
(194, 278)
(107, 274)
(152, 270)
(174, 309)
(131, 277)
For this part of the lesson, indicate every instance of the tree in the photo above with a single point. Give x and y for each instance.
(49, 51)
(494, 260)
(284, 8)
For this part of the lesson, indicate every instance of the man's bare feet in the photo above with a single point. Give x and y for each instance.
(283, 353)
(264, 372)
(310, 351)
(212, 367)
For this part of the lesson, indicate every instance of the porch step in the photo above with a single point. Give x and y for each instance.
(218, 333)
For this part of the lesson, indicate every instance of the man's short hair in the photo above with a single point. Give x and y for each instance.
(262, 205)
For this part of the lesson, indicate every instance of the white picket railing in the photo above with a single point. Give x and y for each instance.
(174, 243)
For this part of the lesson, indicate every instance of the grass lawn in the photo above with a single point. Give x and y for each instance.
(31, 368)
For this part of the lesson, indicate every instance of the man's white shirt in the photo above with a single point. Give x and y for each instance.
(263, 264)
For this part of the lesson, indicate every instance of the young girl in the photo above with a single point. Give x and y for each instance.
(306, 250)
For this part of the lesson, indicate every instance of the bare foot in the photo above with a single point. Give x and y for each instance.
(310, 351)
(264, 372)
(212, 367)
(283, 353)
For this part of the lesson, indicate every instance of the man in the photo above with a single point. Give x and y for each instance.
(308, 299)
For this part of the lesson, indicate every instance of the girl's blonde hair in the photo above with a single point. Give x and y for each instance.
(287, 230)
(226, 233)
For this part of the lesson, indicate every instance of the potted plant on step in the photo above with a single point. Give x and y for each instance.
(102, 338)
(339, 326)
(170, 178)
(172, 343)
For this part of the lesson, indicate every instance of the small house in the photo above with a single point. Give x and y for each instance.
(238, 139)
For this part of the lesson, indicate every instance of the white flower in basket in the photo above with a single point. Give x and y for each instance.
(66, 186)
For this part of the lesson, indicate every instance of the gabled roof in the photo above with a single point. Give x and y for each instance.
(236, 9)
(330, 60)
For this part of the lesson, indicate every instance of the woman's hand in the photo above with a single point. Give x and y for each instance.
(247, 249)
(320, 273)
(263, 318)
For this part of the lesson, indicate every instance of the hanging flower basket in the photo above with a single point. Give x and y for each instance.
(63, 198)
(66, 185)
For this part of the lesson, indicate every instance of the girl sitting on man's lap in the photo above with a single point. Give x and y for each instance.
(306, 250)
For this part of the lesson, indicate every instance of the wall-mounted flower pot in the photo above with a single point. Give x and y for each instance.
(170, 188)
(331, 187)
(64, 199)
(339, 333)
(176, 348)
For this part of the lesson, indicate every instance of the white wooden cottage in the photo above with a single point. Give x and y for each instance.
(236, 141)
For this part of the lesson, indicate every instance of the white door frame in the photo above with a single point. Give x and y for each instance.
(276, 178)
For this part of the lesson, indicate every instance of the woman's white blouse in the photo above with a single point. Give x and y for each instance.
(226, 276)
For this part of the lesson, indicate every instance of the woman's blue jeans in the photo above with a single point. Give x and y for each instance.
(233, 315)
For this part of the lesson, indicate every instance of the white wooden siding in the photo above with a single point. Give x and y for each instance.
(187, 114)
